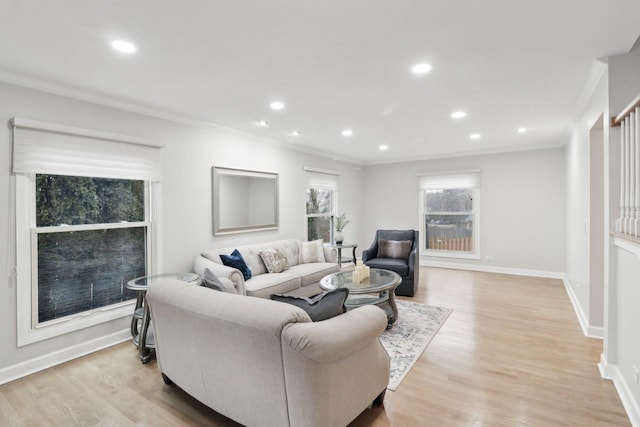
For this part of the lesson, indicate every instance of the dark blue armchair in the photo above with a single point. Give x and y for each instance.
(396, 250)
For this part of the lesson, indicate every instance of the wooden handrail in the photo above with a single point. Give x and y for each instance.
(616, 121)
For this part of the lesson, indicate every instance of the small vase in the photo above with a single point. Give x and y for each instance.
(338, 237)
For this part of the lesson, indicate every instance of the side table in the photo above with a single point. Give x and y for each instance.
(339, 247)
(143, 337)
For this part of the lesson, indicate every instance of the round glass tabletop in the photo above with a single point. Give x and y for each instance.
(143, 283)
(379, 280)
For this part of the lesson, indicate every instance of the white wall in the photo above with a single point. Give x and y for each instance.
(522, 206)
(186, 205)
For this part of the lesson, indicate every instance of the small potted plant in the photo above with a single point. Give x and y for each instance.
(341, 223)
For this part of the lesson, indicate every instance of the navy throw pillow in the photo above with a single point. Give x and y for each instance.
(320, 307)
(235, 260)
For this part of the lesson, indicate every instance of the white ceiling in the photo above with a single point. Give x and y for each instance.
(335, 64)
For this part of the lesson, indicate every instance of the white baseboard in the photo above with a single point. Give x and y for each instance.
(588, 330)
(31, 366)
(611, 372)
(492, 269)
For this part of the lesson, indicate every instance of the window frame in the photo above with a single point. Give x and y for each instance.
(29, 330)
(331, 215)
(57, 149)
(322, 179)
(475, 210)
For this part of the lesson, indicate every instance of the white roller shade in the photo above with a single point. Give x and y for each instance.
(40, 147)
(443, 180)
(321, 180)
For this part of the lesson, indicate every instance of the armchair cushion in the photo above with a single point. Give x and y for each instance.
(394, 248)
(400, 266)
(320, 307)
(235, 260)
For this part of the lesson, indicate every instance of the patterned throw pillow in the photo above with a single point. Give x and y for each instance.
(394, 248)
(274, 260)
(311, 252)
(235, 260)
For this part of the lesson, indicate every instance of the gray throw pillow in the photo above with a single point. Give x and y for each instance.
(211, 281)
(394, 248)
(320, 307)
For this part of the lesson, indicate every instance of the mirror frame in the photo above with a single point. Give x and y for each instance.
(217, 173)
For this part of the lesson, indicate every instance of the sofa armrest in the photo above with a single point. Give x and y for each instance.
(338, 363)
(330, 254)
(338, 337)
(222, 271)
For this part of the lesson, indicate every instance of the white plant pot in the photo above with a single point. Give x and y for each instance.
(338, 237)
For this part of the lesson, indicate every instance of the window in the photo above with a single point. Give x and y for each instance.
(449, 216)
(321, 204)
(91, 240)
(85, 204)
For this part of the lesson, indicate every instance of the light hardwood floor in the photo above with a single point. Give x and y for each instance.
(511, 354)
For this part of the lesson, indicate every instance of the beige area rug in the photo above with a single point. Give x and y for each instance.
(410, 335)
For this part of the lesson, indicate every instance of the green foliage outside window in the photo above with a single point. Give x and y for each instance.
(319, 213)
(74, 200)
(80, 270)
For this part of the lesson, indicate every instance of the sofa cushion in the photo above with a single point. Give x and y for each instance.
(235, 260)
(264, 285)
(211, 281)
(274, 260)
(400, 266)
(320, 307)
(394, 248)
(313, 272)
(311, 251)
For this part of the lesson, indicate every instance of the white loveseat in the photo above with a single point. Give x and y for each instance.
(264, 363)
(300, 279)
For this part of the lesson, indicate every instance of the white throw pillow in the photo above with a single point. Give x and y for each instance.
(311, 252)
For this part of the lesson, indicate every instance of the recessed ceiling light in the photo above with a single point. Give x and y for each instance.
(383, 147)
(263, 123)
(421, 68)
(522, 130)
(295, 133)
(475, 136)
(347, 132)
(123, 46)
(276, 105)
(458, 114)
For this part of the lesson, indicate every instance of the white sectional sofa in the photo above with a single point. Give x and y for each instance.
(300, 279)
(264, 363)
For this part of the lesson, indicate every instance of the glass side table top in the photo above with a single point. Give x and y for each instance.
(378, 281)
(143, 283)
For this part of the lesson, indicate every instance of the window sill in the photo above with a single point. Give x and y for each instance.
(445, 254)
(29, 335)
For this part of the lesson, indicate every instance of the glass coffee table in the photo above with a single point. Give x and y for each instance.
(377, 289)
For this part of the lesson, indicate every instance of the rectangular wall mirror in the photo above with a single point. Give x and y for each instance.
(244, 200)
